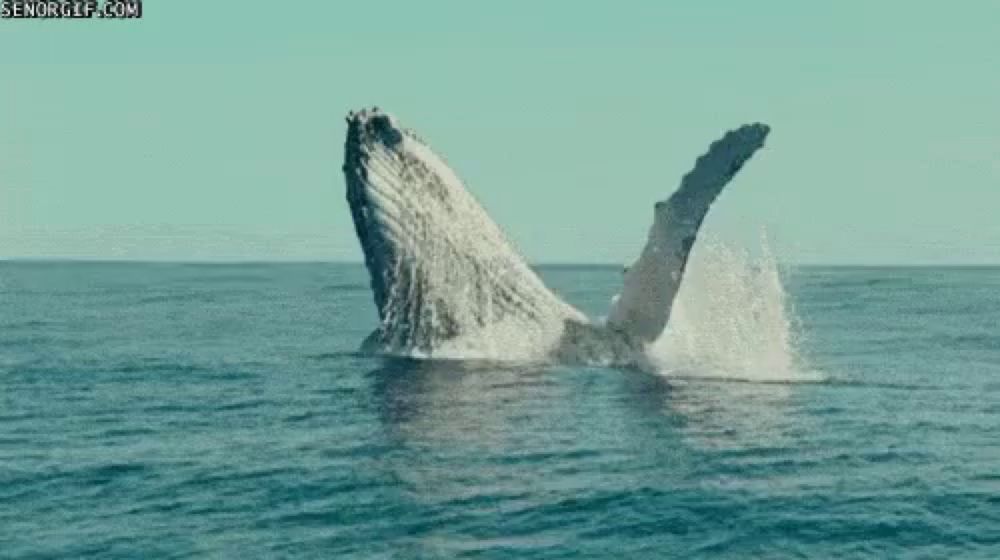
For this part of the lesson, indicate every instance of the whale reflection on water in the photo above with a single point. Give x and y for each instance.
(451, 406)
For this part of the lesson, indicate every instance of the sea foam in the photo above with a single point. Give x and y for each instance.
(732, 318)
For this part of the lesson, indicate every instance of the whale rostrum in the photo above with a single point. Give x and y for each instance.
(448, 283)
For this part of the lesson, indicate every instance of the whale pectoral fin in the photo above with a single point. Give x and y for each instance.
(643, 307)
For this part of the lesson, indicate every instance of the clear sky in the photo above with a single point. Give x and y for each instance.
(214, 129)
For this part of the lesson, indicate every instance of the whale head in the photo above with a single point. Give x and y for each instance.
(439, 266)
(373, 153)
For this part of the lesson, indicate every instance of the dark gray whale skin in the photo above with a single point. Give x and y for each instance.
(441, 269)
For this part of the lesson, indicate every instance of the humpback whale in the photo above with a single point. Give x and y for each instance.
(448, 283)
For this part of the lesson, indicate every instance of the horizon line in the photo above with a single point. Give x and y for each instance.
(296, 261)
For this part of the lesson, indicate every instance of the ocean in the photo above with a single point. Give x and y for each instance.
(222, 411)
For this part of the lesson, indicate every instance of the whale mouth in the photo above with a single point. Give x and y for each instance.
(356, 154)
(373, 165)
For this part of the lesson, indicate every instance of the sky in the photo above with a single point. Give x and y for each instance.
(214, 130)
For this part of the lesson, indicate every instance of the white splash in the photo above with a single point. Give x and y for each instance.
(732, 319)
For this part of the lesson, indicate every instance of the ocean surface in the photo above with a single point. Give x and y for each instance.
(221, 411)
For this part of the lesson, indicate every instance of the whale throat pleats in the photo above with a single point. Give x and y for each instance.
(440, 268)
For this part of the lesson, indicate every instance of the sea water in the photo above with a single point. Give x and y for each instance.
(218, 411)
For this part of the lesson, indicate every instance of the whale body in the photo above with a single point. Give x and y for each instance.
(448, 283)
